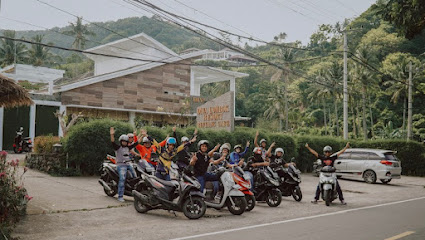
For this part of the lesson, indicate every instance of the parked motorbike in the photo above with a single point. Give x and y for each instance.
(109, 178)
(317, 166)
(22, 144)
(289, 181)
(266, 185)
(181, 194)
(231, 195)
(243, 180)
(327, 184)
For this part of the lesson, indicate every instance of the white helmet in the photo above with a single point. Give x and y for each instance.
(202, 142)
(237, 146)
(225, 146)
(130, 135)
(146, 140)
(279, 150)
(185, 139)
(327, 149)
(263, 140)
(123, 137)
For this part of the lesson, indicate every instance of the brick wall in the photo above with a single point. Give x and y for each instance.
(166, 86)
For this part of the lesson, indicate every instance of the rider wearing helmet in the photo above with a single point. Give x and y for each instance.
(201, 161)
(166, 154)
(263, 146)
(122, 153)
(236, 156)
(328, 159)
(183, 157)
(146, 149)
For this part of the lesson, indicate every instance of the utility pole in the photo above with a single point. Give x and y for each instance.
(345, 91)
(409, 104)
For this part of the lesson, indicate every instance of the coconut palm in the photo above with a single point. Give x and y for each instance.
(40, 55)
(276, 100)
(10, 51)
(79, 31)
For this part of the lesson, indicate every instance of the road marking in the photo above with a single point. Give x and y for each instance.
(401, 235)
(297, 219)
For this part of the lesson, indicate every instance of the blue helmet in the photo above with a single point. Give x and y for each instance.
(171, 140)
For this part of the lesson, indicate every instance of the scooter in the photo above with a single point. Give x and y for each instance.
(317, 166)
(266, 186)
(290, 179)
(22, 144)
(109, 178)
(231, 195)
(243, 180)
(327, 184)
(181, 194)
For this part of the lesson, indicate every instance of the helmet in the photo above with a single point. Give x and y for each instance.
(21, 129)
(257, 150)
(171, 140)
(185, 139)
(146, 140)
(237, 146)
(279, 150)
(130, 135)
(225, 146)
(327, 149)
(123, 137)
(263, 140)
(202, 142)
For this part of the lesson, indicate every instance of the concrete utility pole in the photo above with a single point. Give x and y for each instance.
(409, 104)
(345, 91)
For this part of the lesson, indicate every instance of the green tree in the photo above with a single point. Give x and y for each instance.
(10, 51)
(80, 32)
(40, 55)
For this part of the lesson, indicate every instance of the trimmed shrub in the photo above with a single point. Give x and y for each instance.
(44, 144)
(88, 143)
(287, 143)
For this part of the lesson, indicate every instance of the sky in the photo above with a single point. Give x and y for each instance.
(261, 19)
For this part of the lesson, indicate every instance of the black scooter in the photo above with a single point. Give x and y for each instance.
(109, 178)
(22, 144)
(181, 194)
(290, 178)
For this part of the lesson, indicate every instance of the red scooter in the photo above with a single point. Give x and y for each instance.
(242, 179)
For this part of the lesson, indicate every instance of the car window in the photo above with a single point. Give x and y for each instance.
(374, 156)
(390, 156)
(345, 155)
(359, 155)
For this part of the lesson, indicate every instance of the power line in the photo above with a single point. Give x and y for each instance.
(347, 7)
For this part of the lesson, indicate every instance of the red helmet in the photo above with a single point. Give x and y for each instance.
(258, 151)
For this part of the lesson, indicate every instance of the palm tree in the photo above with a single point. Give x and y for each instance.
(276, 99)
(333, 77)
(80, 31)
(10, 51)
(286, 55)
(40, 55)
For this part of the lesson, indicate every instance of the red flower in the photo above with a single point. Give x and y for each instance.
(2, 174)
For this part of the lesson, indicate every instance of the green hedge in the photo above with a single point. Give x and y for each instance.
(88, 143)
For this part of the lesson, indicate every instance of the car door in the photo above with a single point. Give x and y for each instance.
(356, 164)
(341, 163)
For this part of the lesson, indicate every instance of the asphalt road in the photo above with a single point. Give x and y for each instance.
(401, 220)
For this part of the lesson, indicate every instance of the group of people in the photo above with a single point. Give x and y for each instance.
(144, 146)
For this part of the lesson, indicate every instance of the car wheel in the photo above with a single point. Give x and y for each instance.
(385, 181)
(369, 176)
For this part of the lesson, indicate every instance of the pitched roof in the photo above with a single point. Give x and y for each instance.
(12, 94)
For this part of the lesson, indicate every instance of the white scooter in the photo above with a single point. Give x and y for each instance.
(327, 184)
(232, 197)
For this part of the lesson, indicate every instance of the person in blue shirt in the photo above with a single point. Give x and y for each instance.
(236, 156)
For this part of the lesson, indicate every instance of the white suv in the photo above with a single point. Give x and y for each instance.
(368, 164)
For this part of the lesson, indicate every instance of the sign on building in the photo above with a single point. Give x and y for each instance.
(217, 113)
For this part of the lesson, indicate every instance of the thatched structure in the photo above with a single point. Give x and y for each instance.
(11, 94)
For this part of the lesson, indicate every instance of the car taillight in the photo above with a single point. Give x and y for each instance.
(385, 162)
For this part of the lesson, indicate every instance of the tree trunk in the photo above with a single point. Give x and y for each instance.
(403, 126)
(336, 118)
(286, 81)
(358, 120)
(354, 121)
(364, 112)
(324, 118)
(371, 118)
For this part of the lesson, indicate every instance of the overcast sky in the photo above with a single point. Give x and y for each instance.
(260, 18)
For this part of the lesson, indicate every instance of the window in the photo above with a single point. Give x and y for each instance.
(374, 156)
(345, 155)
(360, 155)
(390, 157)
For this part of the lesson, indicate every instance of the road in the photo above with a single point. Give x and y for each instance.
(400, 220)
(77, 208)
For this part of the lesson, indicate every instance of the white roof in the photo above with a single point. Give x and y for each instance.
(23, 72)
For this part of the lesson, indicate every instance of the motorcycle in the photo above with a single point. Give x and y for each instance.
(144, 166)
(109, 178)
(231, 195)
(242, 179)
(266, 186)
(22, 144)
(317, 166)
(290, 179)
(181, 194)
(327, 184)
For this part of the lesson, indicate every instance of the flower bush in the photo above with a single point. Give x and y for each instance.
(13, 195)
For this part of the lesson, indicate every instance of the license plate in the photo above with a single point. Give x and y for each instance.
(396, 164)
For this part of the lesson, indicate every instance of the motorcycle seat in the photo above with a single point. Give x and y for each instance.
(167, 183)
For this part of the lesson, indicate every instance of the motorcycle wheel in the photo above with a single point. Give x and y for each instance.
(110, 193)
(274, 198)
(140, 207)
(15, 150)
(239, 207)
(250, 202)
(194, 207)
(297, 194)
(327, 197)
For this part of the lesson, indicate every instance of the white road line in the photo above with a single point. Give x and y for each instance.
(401, 235)
(296, 219)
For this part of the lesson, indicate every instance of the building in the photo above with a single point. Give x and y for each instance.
(229, 55)
(159, 88)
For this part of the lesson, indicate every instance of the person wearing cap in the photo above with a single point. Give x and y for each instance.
(122, 154)
(166, 154)
(236, 155)
(328, 159)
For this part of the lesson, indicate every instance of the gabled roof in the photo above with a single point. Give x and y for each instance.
(127, 71)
